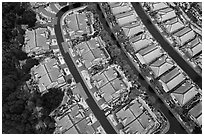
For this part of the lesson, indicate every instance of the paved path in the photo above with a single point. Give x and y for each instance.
(72, 67)
(166, 46)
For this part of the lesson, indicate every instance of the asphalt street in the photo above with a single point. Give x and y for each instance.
(166, 46)
(90, 101)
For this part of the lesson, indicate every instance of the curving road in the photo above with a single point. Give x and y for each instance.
(72, 67)
(166, 46)
(175, 126)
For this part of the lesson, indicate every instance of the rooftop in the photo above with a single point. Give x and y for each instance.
(183, 88)
(134, 127)
(183, 98)
(72, 130)
(126, 116)
(107, 90)
(135, 108)
(158, 6)
(166, 78)
(126, 19)
(84, 128)
(144, 119)
(174, 25)
(120, 9)
(110, 74)
(132, 29)
(196, 110)
(65, 123)
(161, 65)
(166, 14)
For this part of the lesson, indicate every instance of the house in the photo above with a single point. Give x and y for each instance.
(134, 127)
(155, 6)
(92, 51)
(184, 35)
(172, 79)
(116, 4)
(77, 24)
(64, 123)
(136, 109)
(161, 65)
(132, 29)
(173, 25)
(72, 130)
(166, 14)
(145, 120)
(125, 7)
(150, 54)
(110, 74)
(107, 91)
(36, 41)
(142, 43)
(184, 96)
(195, 47)
(126, 18)
(48, 75)
(126, 116)
(196, 111)
(84, 128)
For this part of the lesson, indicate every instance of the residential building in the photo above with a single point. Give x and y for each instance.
(166, 14)
(172, 79)
(184, 94)
(48, 75)
(161, 65)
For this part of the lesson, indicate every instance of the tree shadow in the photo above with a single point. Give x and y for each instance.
(52, 99)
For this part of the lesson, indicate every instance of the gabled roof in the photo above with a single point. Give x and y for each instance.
(200, 119)
(194, 42)
(81, 21)
(115, 4)
(174, 26)
(153, 55)
(126, 19)
(101, 79)
(118, 84)
(92, 43)
(134, 127)
(98, 53)
(148, 49)
(186, 37)
(135, 108)
(183, 88)
(72, 22)
(120, 9)
(144, 120)
(195, 50)
(166, 15)
(182, 31)
(175, 81)
(184, 98)
(140, 44)
(107, 91)
(166, 78)
(196, 110)
(158, 6)
(88, 58)
(83, 47)
(126, 115)
(132, 29)
(110, 74)
(161, 65)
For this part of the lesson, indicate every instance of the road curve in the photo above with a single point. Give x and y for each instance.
(174, 124)
(90, 101)
(166, 46)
